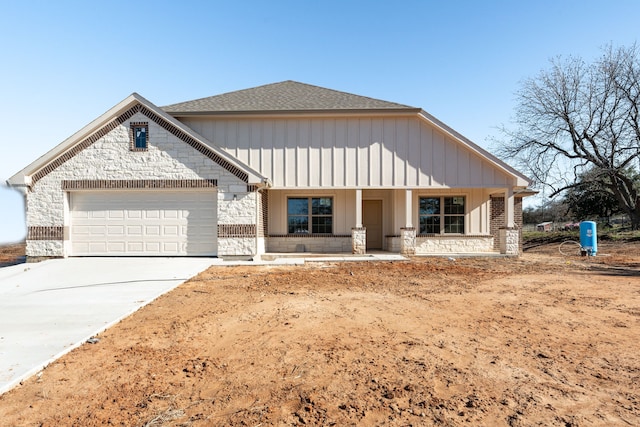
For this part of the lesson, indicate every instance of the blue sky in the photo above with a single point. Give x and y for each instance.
(65, 63)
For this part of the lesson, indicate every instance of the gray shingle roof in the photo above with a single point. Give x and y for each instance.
(286, 96)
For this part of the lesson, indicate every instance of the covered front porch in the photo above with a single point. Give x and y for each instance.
(409, 221)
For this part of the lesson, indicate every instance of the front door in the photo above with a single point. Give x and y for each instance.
(372, 221)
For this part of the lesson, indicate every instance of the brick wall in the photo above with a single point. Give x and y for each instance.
(497, 220)
(438, 244)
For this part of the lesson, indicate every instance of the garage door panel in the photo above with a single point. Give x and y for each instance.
(101, 246)
(81, 247)
(97, 230)
(152, 230)
(79, 215)
(115, 230)
(81, 229)
(153, 214)
(170, 230)
(110, 246)
(115, 214)
(143, 223)
(169, 214)
(152, 246)
(134, 230)
(170, 247)
(134, 214)
(135, 246)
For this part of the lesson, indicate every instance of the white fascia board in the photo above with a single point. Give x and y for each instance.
(520, 180)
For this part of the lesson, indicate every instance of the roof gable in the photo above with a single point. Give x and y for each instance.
(520, 179)
(287, 96)
(112, 119)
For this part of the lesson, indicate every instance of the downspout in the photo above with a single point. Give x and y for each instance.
(23, 187)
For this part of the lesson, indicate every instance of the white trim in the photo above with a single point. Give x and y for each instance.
(358, 208)
(509, 208)
(408, 212)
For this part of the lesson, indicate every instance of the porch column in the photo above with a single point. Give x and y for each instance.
(509, 208)
(408, 232)
(358, 208)
(509, 235)
(408, 210)
(358, 233)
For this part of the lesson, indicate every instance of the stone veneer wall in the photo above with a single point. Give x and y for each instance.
(359, 240)
(109, 158)
(436, 244)
(509, 241)
(237, 247)
(237, 216)
(453, 244)
(408, 241)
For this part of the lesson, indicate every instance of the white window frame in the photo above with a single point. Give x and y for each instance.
(442, 215)
(310, 214)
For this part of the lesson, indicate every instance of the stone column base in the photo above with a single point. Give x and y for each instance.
(408, 241)
(509, 241)
(359, 240)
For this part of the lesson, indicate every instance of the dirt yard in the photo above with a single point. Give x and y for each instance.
(543, 340)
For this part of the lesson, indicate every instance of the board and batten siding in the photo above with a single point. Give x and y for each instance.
(354, 152)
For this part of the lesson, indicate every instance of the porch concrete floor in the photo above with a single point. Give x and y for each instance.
(273, 257)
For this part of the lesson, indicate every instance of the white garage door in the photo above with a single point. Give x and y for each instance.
(143, 223)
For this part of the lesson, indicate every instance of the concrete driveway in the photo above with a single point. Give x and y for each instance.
(49, 308)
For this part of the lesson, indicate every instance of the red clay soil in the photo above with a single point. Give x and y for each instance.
(543, 340)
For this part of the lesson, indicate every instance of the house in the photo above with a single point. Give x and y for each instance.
(282, 167)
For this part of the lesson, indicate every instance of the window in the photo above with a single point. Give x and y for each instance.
(442, 215)
(139, 136)
(310, 215)
(429, 215)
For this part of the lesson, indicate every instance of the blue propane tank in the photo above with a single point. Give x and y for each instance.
(589, 237)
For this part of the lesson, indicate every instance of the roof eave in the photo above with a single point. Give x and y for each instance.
(526, 192)
(319, 112)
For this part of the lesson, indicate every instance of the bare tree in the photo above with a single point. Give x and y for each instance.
(577, 117)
